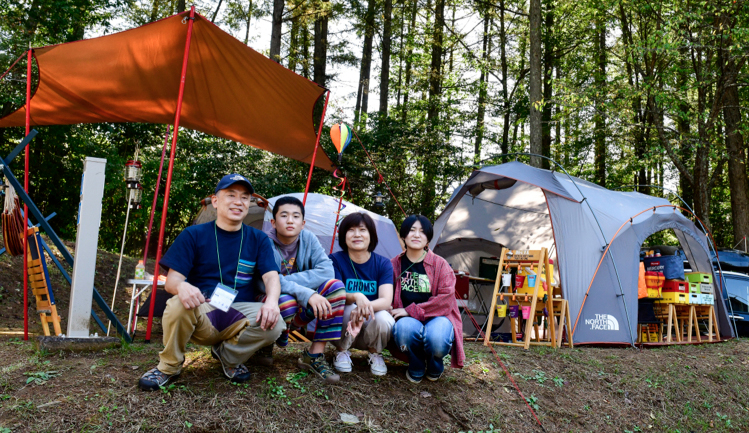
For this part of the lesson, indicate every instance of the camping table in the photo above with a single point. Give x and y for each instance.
(139, 286)
(702, 312)
(667, 313)
(476, 283)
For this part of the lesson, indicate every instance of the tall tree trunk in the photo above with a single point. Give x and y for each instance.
(249, 18)
(305, 50)
(504, 146)
(409, 54)
(154, 11)
(321, 44)
(435, 69)
(387, 33)
(534, 94)
(293, 57)
(181, 7)
(558, 123)
(400, 56)
(215, 13)
(362, 94)
(737, 178)
(600, 101)
(480, 113)
(548, 81)
(276, 29)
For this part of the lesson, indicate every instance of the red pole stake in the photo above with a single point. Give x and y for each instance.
(155, 195)
(338, 214)
(26, 208)
(314, 154)
(169, 173)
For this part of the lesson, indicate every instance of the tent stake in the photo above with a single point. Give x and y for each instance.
(317, 144)
(169, 173)
(25, 207)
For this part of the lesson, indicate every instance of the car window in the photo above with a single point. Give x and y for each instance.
(738, 293)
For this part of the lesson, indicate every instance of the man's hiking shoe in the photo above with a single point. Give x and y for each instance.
(237, 374)
(319, 366)
(264, 356)
(343, 362)
(154, 379)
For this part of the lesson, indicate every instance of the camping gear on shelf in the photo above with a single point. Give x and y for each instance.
(549, 317)
(694, 287)
(461, 285)
(699, 277)
(40, 284)
(671, 266)
(694, 298)
(706, 289)
(679, 286)
(654, 282)
(502, 310)
(506, 280)
(706, 299)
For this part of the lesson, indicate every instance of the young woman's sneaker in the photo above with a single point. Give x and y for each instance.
(154, 379)
(411, 378)
(343, 362)
(377, 364)
(319, 366)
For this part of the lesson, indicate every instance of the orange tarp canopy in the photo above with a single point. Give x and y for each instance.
(231, 91)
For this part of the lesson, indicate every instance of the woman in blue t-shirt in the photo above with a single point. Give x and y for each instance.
(368, 278)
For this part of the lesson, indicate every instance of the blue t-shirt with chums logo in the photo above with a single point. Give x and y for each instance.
(193, 254)
(363, 278)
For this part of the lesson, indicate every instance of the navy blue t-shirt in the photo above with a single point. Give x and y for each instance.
(193, 254)
(366, 277)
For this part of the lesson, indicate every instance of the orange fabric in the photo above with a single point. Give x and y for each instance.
(642, 288)
(231, 91)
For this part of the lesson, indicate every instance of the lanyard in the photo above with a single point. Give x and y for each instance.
(221, 274)
(412, 263)
(353, 267)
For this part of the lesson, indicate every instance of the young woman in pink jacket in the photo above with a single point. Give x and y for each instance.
(428, 324)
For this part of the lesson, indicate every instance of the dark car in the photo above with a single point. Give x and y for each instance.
(736, 294)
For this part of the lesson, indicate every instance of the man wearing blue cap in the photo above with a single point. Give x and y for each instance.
(212, 267)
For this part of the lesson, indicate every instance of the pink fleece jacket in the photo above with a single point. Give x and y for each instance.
(441, 303)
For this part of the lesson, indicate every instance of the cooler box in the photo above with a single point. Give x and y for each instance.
(694, 287)
(488, 267)
(673, 298)
(676, 286)
(694, 298)
(671, 266)
(461, 286)
(698, 277)
(706, 289)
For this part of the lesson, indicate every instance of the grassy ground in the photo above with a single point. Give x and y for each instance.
(671, 389)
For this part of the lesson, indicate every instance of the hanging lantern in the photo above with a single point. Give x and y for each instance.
(136, 195)
(378, 200)
(133, 174)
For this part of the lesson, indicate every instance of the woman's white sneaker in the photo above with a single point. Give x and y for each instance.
(342, 362)
(377, 364)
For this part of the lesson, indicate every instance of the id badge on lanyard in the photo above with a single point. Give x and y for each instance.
(222, 297)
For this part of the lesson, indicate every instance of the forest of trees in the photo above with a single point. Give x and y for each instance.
(630, 94)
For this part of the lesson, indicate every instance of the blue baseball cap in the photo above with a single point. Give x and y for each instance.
(231, 179)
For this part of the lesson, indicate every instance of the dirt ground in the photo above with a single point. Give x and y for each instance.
(672, 389)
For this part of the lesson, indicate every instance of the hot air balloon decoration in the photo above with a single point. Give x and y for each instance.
(341, 134)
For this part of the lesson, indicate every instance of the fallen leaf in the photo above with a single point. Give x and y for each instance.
(652, 416)
(349, 419)
(628, 401)
(425, 394)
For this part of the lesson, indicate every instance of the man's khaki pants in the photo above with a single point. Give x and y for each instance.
(237, 332)
(374, 334)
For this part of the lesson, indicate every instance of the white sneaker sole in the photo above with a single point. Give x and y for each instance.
(378, 373)
(346, 369)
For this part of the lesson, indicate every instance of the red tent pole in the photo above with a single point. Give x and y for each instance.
(317, 144)
(169, 173)
(155, 195)
(338, 214)
(25, 208)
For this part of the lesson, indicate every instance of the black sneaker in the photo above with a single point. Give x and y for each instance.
(154, 379)
(319, 366)
(413, 379)
(237, 374)
(264, 356)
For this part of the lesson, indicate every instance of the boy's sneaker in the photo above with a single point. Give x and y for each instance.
(343, 362)
(434, 378)
(154, 379)
(411, 378)
(283, 339)
(264, 356)
(237, 374)
(319, 366)
(377, 364)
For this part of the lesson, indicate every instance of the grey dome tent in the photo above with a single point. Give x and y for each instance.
(594, 235)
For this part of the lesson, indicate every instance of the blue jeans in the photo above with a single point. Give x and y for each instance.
(425, 343)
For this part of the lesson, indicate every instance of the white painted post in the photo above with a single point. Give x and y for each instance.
(86, 243)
